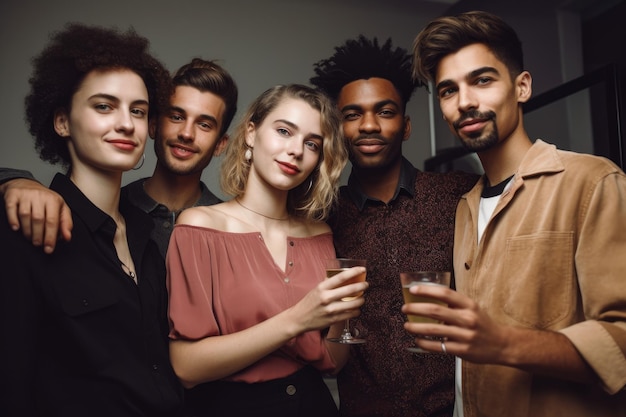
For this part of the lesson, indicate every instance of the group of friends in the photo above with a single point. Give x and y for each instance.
(158, 299)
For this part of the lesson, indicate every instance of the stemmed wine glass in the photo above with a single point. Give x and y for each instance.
(333, 267)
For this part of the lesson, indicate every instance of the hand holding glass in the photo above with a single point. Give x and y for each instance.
(410, 279)
(333, 267)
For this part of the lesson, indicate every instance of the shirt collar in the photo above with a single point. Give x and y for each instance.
(138, 196)
(80, 205)
(406, 184)
(96, 219)
(541, 158)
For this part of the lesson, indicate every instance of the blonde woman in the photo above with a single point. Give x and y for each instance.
(249, 303)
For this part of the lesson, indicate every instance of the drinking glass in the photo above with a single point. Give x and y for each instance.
(408, 280)
(333, 267)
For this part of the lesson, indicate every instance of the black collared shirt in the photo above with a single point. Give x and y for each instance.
(406, 184)
(80, 337)
(164, 219)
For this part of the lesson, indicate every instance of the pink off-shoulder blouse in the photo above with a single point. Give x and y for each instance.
(221, 283)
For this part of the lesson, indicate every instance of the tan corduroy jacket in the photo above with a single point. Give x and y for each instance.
(553, 257)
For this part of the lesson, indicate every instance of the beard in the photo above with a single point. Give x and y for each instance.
(482, 140)
(174, 166)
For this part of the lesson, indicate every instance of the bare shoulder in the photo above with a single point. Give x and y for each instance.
(204, 216)
(311, 228)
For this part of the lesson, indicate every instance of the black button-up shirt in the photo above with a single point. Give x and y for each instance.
(80, 338)
(164, 219)
(406, 184)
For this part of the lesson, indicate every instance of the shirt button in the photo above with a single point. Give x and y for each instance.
(155, 367)
(166, 225)
(85, 303)
(291, 243)
(291, 389)
(286, 279)
(290, 263)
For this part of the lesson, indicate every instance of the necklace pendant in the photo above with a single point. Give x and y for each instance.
(128, 271)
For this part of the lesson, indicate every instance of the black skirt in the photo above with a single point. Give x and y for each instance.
(300, 394)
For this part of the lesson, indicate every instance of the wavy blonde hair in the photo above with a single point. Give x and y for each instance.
(310, 203)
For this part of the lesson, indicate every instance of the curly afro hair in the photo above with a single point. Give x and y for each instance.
(60, 68)
(361, 59)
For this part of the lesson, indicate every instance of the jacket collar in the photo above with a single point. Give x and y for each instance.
(542, 158)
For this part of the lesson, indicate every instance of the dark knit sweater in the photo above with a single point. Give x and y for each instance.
(412, 232)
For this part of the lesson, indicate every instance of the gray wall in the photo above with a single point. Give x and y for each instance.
(262, 43)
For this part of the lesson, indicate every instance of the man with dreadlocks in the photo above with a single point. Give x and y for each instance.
(396, 217)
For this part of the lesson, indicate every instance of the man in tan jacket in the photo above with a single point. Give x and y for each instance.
(538, 321)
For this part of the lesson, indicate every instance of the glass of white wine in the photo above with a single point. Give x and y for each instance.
(333, 267)
(408, 280)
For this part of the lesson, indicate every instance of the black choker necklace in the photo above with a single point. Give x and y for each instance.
(261, 214)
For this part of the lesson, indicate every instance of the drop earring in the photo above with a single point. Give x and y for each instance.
(248, 155)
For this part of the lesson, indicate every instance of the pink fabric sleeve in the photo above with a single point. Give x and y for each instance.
(222, 283)
(189, 296)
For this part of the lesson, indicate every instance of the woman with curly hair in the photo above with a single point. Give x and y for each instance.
(248, 298)
(88, 323)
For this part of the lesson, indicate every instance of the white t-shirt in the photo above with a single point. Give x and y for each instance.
(485, 210)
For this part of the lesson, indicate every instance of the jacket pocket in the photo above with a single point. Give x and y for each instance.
(540, 289)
